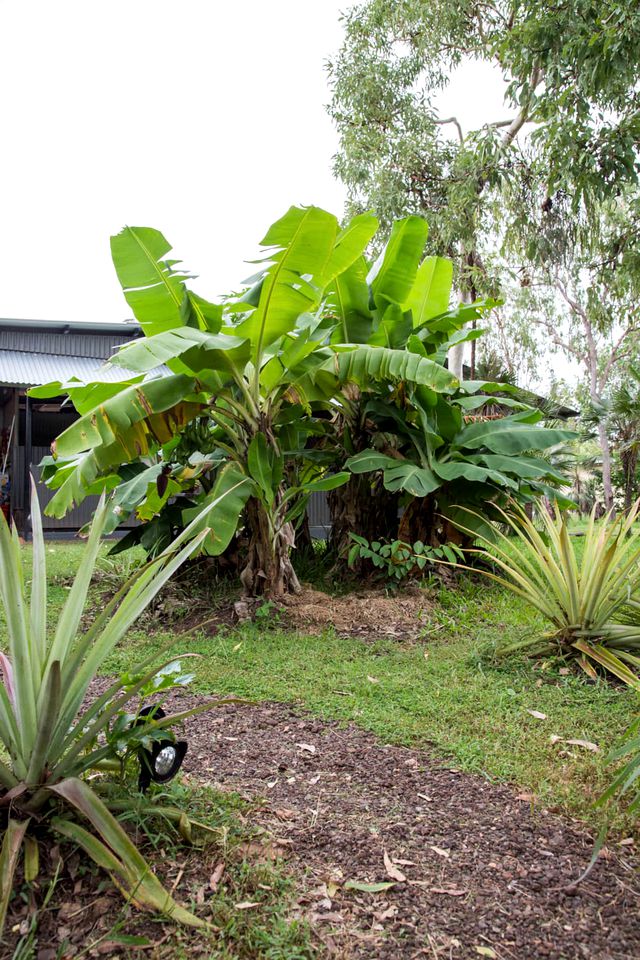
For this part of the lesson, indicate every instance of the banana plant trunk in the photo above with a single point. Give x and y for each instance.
(268, 571)
(363, 507)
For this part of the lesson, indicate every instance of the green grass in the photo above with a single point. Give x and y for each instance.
(447, 691)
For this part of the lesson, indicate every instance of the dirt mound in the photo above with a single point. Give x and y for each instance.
(369, 613)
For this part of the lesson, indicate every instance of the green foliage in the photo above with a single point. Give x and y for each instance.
(399, 153)
(320, 357)
(399, 560)
(626, 782)
(585, 600)
(437, 455)
(51, 737)
(251, 382)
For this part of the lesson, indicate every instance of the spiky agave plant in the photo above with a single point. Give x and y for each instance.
(586, 599)
(51, 737)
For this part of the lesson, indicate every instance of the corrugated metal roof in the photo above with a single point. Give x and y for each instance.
(124, 329)
(73, 344)
(21, 368)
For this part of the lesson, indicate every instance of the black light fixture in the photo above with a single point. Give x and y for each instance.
(164, 759)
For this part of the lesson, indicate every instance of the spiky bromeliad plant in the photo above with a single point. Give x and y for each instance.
(51, 737)
(588, 600)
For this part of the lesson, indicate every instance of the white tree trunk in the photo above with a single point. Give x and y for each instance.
(456, 360)
(456, 353)
(606, 468)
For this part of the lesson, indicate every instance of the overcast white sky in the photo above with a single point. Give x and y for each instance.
(203, 119)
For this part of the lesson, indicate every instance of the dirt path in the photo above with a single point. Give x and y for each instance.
(484, 876)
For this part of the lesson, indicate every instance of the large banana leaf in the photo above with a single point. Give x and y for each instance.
(369, 460)
(461, 469)
(394, 328)
(303, 243)
(431, 290)
(393, 274)
(509, 436)
(74, 478)
(526, 468)
(154, 290)
(348, 298)
(397, 474)
(158, 404)
(350, 244)
(234, 487)
(129, 494)
(185, 351)
(365, 364)
(416, 480)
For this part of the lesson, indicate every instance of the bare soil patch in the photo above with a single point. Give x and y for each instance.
(365, 613)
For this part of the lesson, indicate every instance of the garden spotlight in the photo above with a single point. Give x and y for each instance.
(164, 759)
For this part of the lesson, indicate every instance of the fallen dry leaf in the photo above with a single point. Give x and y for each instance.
(392, 871)
(387, 914)
(587, 744)
(441, 852)
(449, 891)
(404, 863)
(216, 876)
(309, 747)
(247, 904)
(537, 714)
(526, 797)
(372, 679)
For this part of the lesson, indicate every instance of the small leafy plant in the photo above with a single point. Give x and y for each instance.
(399, 559)
(53, 738)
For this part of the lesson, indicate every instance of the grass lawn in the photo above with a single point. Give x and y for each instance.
(446, 691)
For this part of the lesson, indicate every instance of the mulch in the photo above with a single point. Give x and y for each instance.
(475, 870)
(461, 868)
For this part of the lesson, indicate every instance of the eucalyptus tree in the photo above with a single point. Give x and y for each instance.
(571, 74)
(619, 415)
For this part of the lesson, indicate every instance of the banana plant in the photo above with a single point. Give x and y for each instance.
(51, 738)
(408, 444)
(258, 373)
(444, 466)
(398, 309)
